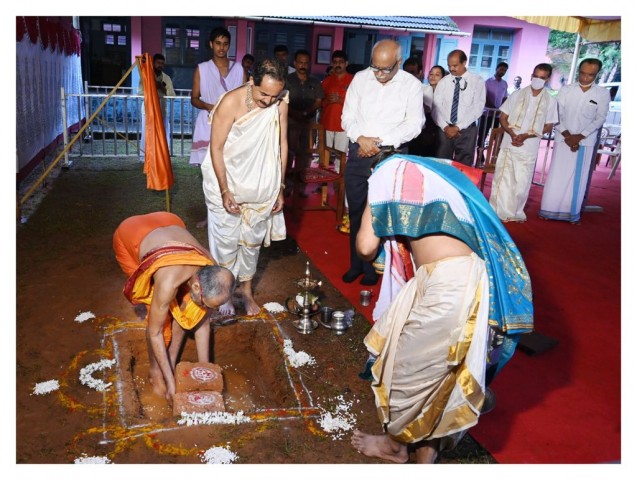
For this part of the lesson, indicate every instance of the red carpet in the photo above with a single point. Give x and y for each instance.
(562, 405)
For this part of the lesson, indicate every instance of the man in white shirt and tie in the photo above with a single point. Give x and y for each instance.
(458, 103)
(383, 108)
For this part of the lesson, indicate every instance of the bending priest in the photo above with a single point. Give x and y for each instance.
(455, 297)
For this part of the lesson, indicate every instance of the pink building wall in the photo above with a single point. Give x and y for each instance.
(151, 35)
(429, 53)
(529, 44)
(146, 36)
(336, 33)
(241, 36)
(135, 37)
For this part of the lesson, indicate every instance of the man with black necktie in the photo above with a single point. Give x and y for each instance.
(458, 103)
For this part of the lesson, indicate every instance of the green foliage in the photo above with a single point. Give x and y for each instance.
(562, 40)
(561, 47)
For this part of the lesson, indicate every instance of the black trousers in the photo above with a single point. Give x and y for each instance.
(461, 148)
(357, 171)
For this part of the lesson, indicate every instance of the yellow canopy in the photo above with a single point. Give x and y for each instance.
(593, 29)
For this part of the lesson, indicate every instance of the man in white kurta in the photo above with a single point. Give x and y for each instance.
(526, 115)
(243, 172)
(212, 79)
(582, 109)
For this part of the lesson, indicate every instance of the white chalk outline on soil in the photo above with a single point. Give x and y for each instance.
(111, 335)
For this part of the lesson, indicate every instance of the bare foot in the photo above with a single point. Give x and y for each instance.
(245, 290)
(380, 446)
(156, 379)
(227, 308)
(202, 224)
(252, 307)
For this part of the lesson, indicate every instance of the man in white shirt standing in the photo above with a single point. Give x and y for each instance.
(525, 116)
(582, 109)
(517, 82)
(458, 103)
(383, 109)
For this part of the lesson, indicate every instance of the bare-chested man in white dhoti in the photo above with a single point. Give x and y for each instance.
(453, 282)
(243, 175)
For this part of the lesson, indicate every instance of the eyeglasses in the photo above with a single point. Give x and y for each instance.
(386, 71)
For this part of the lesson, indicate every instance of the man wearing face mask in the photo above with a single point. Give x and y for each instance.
(525, 116)
(582, 109)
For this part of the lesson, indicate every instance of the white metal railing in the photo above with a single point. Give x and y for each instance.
(117, 129)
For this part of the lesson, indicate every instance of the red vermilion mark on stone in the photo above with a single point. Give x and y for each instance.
(201, 399)
(203, 374)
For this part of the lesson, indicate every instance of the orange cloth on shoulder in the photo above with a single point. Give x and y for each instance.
(139, 287)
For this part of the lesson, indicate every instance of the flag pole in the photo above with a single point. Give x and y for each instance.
(77, 135)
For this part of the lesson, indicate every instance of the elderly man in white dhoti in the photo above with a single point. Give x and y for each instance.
(526, 115)
(243, 175)
(453, 283)
(582, 108)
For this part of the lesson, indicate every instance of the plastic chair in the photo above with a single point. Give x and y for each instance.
(614, 153)
(493, 149)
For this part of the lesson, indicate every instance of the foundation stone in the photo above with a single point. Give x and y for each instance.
(199, 376)
(197, 402)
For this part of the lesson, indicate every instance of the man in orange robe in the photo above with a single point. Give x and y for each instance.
(178, 280)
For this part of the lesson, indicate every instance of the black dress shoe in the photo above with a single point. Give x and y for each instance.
(351, 275)
(370, 279)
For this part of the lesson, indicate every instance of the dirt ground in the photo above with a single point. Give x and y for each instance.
(65, 267)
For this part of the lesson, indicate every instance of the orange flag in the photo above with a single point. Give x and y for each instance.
(157, 166)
